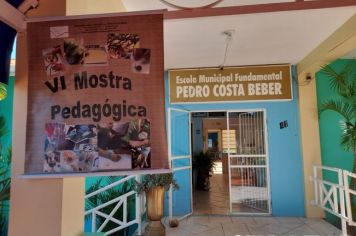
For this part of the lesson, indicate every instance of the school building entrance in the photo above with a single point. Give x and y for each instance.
(234, 143)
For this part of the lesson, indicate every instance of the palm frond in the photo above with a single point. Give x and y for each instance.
(5, 190)
(345, 109)
(338, 82)
(3, 129)
(352, 86)
(348, 136)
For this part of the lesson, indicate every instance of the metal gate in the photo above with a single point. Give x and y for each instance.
(248, 162)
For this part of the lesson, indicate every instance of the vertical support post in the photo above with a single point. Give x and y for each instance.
(93, 222)
(342, 185)
(229, 158)
(347, 194)
(170, 197)
(315, 176)
(138, 209)
(321, 193)
(124, 211)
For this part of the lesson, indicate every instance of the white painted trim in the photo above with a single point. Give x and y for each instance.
(90, 174)
(180, 157)
(110, 186)
(267, 161)
(111, 202)
(182, 168)
(185, 216)
(191, 158)
(228, 158)
(12, 17)
(247, 166)
(257, 155)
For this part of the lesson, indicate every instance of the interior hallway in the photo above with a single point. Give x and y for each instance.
(216, 200)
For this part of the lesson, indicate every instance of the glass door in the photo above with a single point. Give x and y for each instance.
(180, 201)
(248, 162)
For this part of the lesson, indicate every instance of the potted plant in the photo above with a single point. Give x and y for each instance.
(203, 164)
(154, 186)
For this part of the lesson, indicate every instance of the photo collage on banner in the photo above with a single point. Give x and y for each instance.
(91, 103)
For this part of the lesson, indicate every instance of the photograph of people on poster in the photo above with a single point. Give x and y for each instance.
(52, 58)
(121, 140)
(105, 146)
(121, 46)
(69, 148)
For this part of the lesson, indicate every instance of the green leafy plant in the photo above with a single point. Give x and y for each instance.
(107, 196)
(150, 181)
(204, 161)
(203, 164)
(5, 180)
(3, 130)
(344, 84)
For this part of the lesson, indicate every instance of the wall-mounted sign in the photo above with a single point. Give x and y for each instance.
(230, 84)
(96, 94)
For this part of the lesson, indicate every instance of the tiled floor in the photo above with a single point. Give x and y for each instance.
(208, 204)
(234, 225)
(216, 200)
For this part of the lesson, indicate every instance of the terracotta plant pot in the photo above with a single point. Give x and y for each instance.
(155, 204)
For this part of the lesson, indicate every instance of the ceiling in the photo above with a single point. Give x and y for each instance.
(260, 38)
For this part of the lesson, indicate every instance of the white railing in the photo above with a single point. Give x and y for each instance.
(334, 197)
(116, 203)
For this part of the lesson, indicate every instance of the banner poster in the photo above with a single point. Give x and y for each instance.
(96, 94)
(231, 84)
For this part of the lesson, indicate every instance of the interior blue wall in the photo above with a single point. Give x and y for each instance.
(285, 159)
(198, 142)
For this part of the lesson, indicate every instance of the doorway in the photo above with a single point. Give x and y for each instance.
(236, 143)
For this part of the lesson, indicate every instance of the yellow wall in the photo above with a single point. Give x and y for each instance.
(73, 206)
(83, 7)
(309, 126)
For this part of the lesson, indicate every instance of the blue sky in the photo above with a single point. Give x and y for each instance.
(13, 54)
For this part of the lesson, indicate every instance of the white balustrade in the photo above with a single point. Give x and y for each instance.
(334, 197)
(116, 203)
